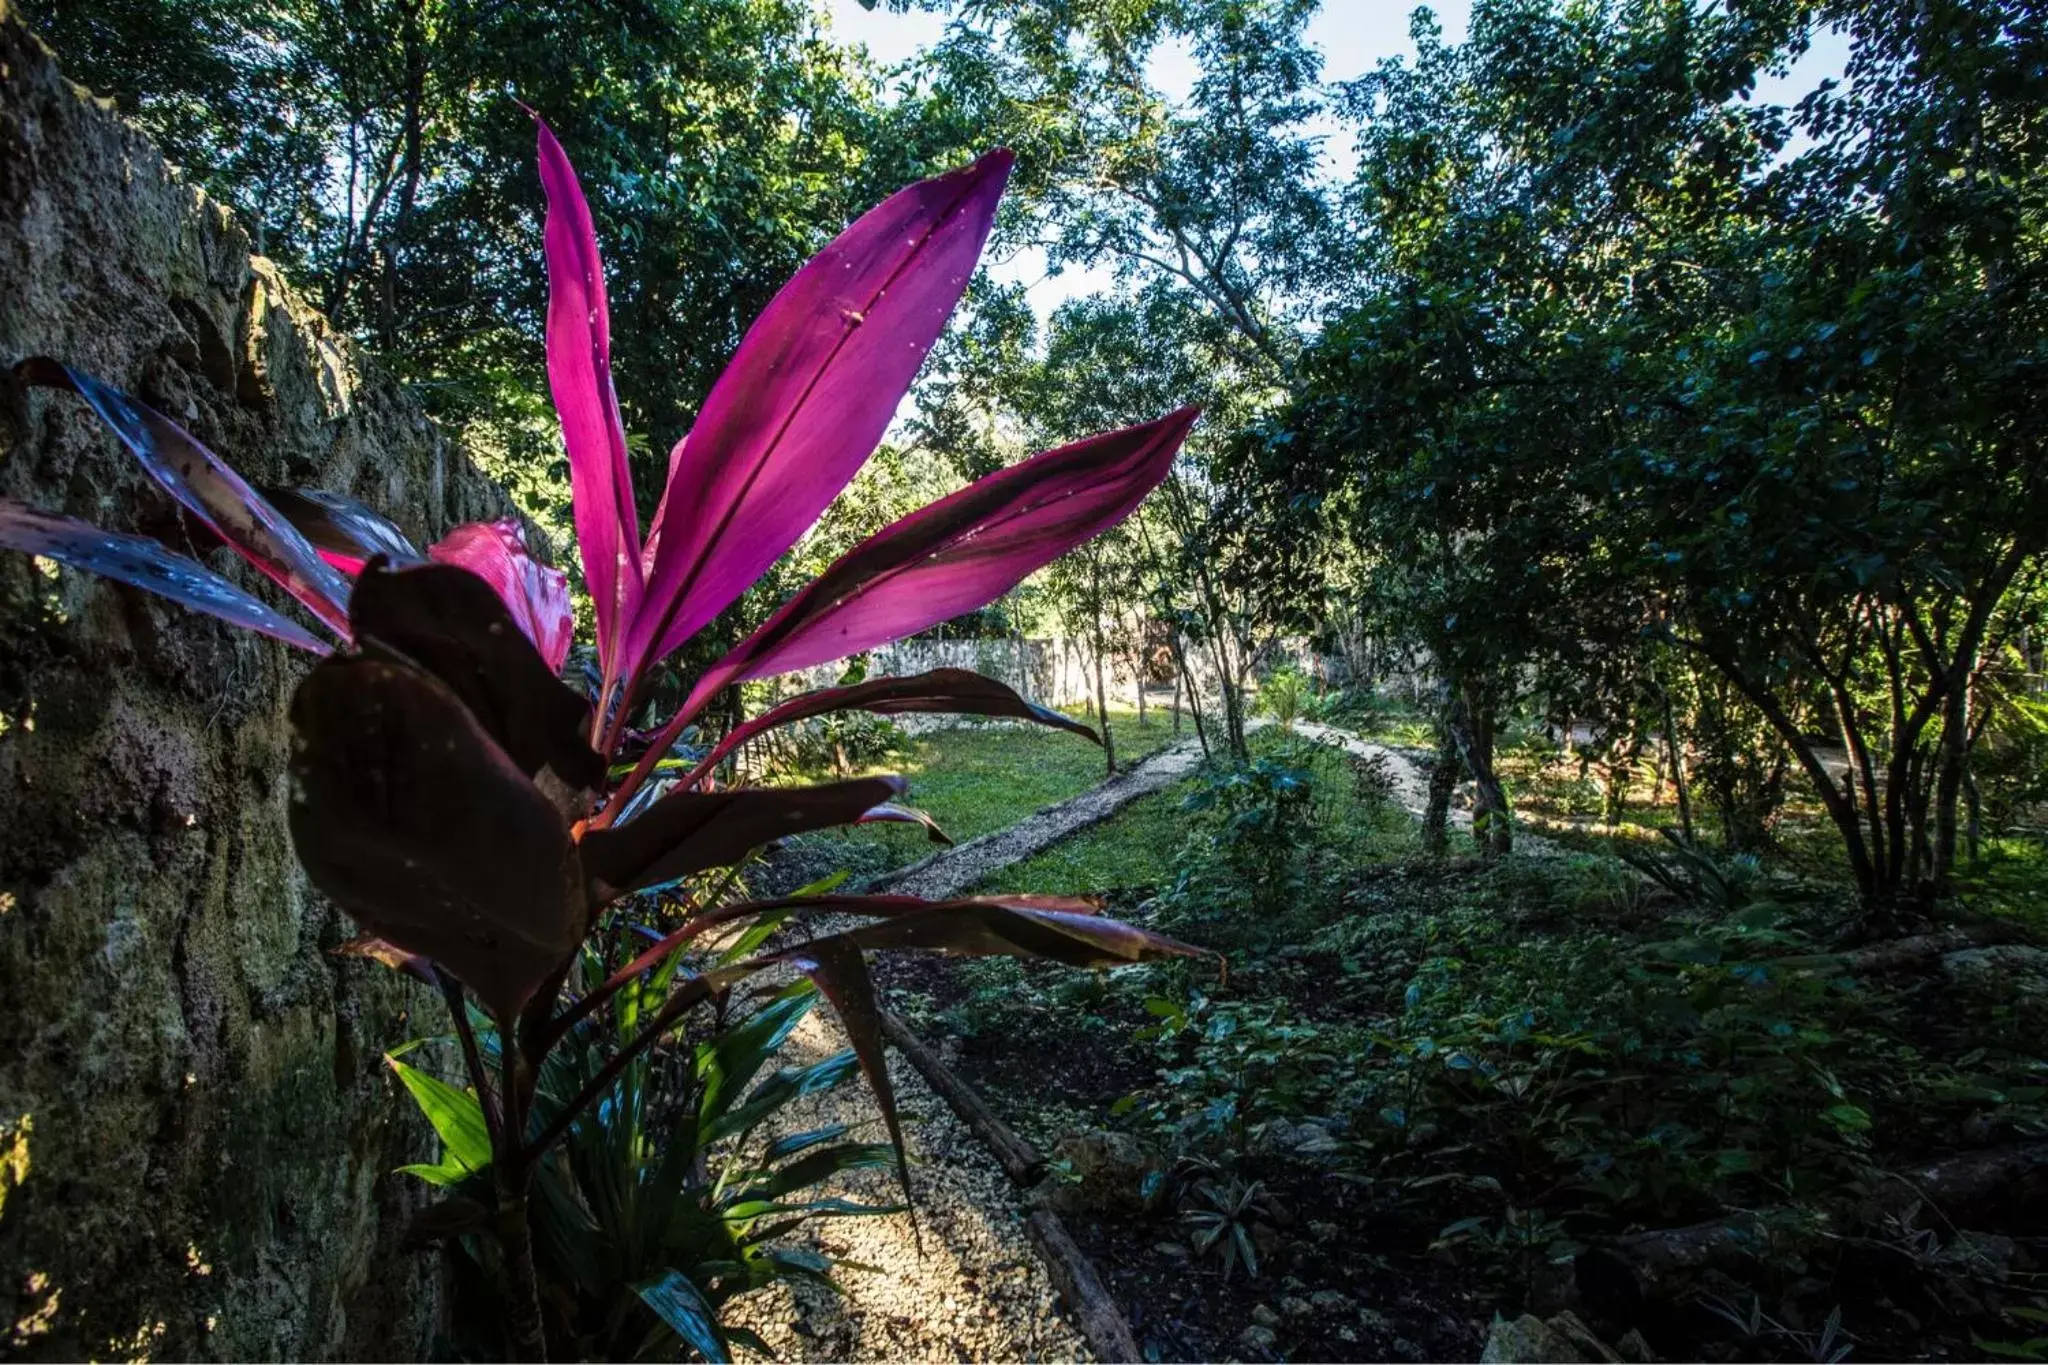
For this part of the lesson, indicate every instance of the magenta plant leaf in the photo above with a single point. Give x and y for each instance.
(344, 532)
(809, 394)
(958, 554)
(580, 377)
(145, 563)
(689, 831)
(958, 690)
(536, 595)
(411, 818)
(210, 490)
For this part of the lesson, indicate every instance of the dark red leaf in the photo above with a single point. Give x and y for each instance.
(842, 974)
(145, 563)
(891, 812)
(1058, 928)
(416, 823)
(689, 831)
(452, 624)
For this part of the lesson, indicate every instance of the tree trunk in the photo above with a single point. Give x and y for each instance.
(1955, 732)
(1675, 752)
(1443, 781)
(1139, 675)
(1471, 729)
(1102, 709)
(1176, 701)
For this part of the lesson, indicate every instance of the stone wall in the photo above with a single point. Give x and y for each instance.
(196, 1132)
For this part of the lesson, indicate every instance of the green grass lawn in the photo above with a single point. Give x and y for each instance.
(1136, 847)
(974, 779)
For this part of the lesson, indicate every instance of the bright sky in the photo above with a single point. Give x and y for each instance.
(1353, 35)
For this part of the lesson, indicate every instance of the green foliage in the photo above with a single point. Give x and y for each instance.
(669, 1198)
(1253, 834)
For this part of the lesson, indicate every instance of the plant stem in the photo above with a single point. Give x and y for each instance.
(479, 1076)
(512, 1175)
(515, 1245)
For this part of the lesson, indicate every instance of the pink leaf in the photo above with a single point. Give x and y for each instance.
(210, 490)
(960, 553)
(536, 595)
(145, 563)
(809, 394)
(580, 376)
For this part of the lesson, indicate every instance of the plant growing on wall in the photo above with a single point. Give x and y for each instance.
(477, 816)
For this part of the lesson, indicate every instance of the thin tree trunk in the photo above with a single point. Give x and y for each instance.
(1176, 701)
(1140, 676)
(1955, 732)
(1443, 781)
(1186, 679)
(1675, 753)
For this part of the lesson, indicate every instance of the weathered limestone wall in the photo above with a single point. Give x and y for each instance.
(196, 1131)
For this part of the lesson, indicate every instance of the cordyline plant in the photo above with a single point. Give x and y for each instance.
(476, 815)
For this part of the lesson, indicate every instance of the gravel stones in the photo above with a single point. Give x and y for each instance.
(960, 1284)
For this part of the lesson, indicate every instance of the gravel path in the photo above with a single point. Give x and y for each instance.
(974, 1290)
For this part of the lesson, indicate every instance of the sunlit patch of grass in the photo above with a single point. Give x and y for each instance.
(1131, 850)
(974, 779)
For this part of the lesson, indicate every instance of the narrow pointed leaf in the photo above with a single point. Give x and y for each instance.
(457, 1118)
(809, 394)
(892, 812)
(452, 624)
(958, 554)
(957, 690)
(415, 822)
(821, 1166)
(344, 532)
(210, 490)
(842, 974)
(688, 831)
(537, 596)
(790, 1144)
(145, 563)
(580, 378)
(983, 928)
(1058, 928)
(681, 1305)
(784, 1087)
(727, 1067)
